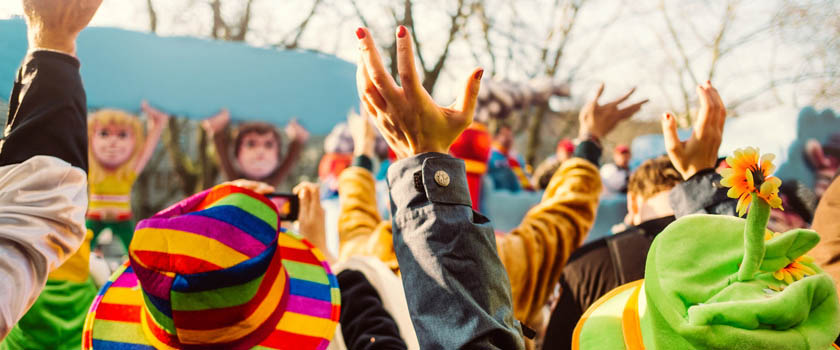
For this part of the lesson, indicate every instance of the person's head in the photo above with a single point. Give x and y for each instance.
(799, 204)
(565, 149)
(257, 149)
(503, 137)
(114, 138)
(648, 188)
(621, 156)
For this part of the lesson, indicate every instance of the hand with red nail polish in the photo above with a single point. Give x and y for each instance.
(406, 115)
(700, 151)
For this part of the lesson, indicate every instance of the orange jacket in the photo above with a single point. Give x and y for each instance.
(533, 254)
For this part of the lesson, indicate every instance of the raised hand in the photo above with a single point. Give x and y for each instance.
(296, 132)
(700, 151)
(409, 120)
(157, 119)
(599, 120)
(216, 123)
(311, 221)
(55, 24)
(364, 137)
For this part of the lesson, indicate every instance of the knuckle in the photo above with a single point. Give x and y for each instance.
(406, 77)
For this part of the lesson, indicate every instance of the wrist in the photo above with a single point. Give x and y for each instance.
(44, 41)
(363, 150)
(588, 136)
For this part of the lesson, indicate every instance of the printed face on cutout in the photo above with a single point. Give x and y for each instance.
(258, 155)
(112, 144)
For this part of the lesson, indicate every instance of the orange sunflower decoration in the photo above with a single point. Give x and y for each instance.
(749, 173)
(796, 270)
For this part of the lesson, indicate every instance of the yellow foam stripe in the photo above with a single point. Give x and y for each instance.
(579, 327)
(290, 242)
(630, 322)
(307, 325)
(122, 332)
(123, 296)
(241, 329)
(185, 243)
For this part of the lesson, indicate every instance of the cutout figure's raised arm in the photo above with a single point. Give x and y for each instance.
(216, 128)
(156, 122)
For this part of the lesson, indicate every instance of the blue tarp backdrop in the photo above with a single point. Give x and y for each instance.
(195, 77)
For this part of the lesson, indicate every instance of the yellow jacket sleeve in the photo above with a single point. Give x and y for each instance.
(361, 231)
(535, 252)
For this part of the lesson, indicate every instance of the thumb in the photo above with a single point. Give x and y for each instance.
(466, 103)
(669, 131)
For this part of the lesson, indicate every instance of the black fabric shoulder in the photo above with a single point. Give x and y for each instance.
(47, 112)
(365, 324)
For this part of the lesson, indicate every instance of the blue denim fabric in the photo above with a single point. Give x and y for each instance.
(457, 290)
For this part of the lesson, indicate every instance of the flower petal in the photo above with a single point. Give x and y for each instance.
(750, 181)
(735, 192)
(797, 274)
(743, 204)
(775, 202)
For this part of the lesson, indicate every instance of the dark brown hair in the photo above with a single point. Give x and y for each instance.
(654, 176)
(259, 128)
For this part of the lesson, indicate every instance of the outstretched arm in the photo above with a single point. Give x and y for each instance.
(43, 161)
(535, 253)
(455, 285)
(298, 135)
(216, 127)
(157, 121)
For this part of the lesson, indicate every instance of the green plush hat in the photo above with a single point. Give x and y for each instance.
(720, 282)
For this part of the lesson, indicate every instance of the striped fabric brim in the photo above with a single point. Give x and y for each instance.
(309, 322)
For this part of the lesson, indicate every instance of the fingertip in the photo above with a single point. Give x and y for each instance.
(478, 74)
(361, 33)
(401, 31)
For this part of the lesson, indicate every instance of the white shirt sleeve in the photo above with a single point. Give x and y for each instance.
(42, 207)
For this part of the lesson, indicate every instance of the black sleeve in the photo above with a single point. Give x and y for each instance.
(364, 162)
(702, 194)
(47, 112)
(588, 150)
(365, 324)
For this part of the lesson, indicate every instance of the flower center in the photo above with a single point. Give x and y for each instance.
(758, 176)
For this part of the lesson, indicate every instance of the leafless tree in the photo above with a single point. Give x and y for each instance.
(233, 30)
(404, 15)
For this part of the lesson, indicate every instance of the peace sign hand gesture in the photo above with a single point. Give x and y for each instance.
(410, 121)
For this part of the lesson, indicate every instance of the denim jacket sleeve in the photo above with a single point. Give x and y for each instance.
(456, 287)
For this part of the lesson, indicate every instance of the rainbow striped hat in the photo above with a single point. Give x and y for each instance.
(212, 272)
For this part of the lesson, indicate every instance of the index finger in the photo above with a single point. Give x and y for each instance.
(625, 97)
(721, 115)
(382, 80)
(707, 111)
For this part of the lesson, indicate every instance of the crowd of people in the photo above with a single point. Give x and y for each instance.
(225, 269)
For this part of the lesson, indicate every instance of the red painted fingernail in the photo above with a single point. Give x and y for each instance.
(360, 33)
(401, 32)
(709, 82)
(479, 74)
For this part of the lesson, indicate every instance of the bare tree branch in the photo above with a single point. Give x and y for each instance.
(298, 31)
(678, 43)
(150, 8)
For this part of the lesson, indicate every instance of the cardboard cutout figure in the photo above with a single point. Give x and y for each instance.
(118, 151)
(257, 149)
(824, 160)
